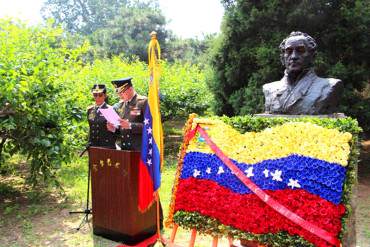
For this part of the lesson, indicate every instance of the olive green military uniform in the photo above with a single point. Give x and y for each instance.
(133, 111)
(99, 136)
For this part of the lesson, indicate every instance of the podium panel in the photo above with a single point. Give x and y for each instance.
(114, 184)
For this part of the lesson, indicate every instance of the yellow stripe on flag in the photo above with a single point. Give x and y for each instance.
(154, 56)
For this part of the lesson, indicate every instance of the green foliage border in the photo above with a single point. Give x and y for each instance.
(207, 225)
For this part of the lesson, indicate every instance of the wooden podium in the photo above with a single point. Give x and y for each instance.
(114, 184)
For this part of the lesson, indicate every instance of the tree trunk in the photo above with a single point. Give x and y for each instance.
(3, 140)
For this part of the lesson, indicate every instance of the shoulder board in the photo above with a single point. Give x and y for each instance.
(90, 107)
(140, 97)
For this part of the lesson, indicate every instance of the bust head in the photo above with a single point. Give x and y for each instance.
(301, 91)
(298, 51)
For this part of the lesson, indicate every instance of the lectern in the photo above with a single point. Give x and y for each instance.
(114, 184)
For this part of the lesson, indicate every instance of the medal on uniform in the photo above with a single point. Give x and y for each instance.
(92, 114)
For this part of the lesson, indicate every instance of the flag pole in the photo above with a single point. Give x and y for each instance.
(153, 65)
(159, 240)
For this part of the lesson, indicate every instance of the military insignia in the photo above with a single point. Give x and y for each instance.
(92, 114)
(117, 165)
(109, 163)
(101, 163)
(120, 111)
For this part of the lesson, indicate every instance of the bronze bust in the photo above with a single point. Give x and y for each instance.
(301, 91)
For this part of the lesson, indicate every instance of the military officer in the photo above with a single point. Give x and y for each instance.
(99, 136)
(131, 109)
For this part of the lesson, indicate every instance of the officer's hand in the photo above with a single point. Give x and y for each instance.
(124, 124)
(111, 127)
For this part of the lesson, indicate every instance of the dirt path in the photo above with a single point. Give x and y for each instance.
(363, 207)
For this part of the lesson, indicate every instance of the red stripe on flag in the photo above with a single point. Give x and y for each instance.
(247, 212)
(146, 192)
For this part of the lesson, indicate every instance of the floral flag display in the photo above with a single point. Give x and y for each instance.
(288, 184)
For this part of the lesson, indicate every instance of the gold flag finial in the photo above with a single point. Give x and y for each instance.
(154, 50)
(153, 34)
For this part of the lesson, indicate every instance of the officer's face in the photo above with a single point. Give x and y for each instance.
(297, 57)
(99, 98)
(126, 94)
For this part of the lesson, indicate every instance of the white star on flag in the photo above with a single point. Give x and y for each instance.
(149, 162)
(150, 140)
(146, 121)
(196, 173)
(249, 172)
(294, 183)
(266, 172)
(149, 130)
(150, 151)
(220, 170)
(276, 175)
(208, 170)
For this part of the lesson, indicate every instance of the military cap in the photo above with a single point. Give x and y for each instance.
(122, 85)
(99, 88)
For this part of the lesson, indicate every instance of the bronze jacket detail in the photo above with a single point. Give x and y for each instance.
(311, 95)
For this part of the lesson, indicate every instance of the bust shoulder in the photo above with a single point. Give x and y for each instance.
(275, 86)
(328, 84)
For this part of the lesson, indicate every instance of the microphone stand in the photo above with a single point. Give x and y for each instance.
(87, 210)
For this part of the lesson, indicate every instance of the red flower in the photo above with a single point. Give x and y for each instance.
(248, 213)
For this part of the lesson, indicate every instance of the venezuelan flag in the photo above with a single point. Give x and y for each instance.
(302, 166)
(152, 140)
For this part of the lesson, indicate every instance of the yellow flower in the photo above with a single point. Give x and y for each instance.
(300, 138)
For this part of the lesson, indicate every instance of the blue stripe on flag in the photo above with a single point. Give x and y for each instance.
(316, 176)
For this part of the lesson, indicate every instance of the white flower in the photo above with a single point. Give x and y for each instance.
(220, 170)
(294, 183)
(196, 173)
(249, 172)
(276, 175)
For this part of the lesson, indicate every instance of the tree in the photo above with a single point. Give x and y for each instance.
(191, 50)
(113, 27)
(129, 31)
(246, 55)
(82, 16)
(38, 118)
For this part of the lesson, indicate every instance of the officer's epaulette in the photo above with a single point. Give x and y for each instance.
(140, 97)
(90, 107)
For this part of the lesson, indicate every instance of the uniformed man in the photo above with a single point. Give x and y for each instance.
(99, 136)
(131, 109)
